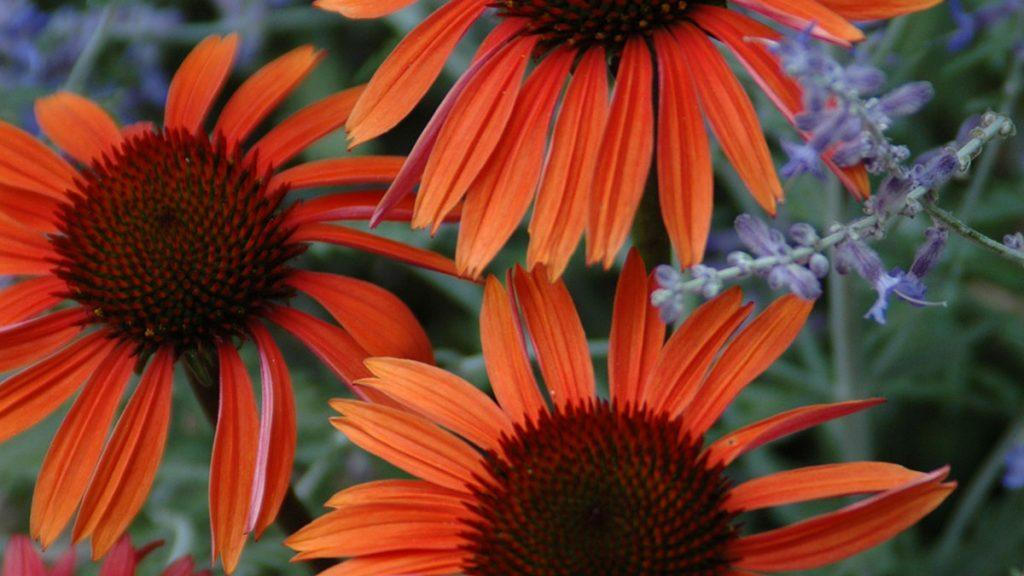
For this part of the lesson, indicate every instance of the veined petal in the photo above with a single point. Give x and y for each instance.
(637, 334)
(560, 213)
(471, 133)
(76, 448)
(501, 194)
(369, 243)
(410, 442)
(335, 347)
(442, 397)
(406, 75)
(78, 125)
(686, 356)
(28, 341)
(508, 366)
(378, 320)
(726, 449)
(557, 335)
(802, 14)
(234, 458)
(685, 173)
(32, 210)
(751, 353)
(396, 491)
(21, 558)
(420, 562)
(339, 172)
(27, 298)
(829, 538)
(624, 158)
(24, 252)
(277, 433)
(356, 9)
(33, 394)
(26, 163)
(128, 467)
(262, 92)
(876, 9)
(731, 115)
(817, 482)
(198, 81)
(347, 206)
(300, 130)
(375, 528)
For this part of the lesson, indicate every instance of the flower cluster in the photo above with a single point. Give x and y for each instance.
(970, 24)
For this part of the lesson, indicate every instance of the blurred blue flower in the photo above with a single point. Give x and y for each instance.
(970, 24)
(1013, 478)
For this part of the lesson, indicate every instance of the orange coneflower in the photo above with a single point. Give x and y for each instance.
(21, 559)
(167, 241)
(592, 486)
(486, 143)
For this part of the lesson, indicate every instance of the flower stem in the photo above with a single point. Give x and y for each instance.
(90, 54)
(202, 368)
(649, 235)
(963, 229)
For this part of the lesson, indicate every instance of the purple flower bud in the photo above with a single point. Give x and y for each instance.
(937, 169)
(818, 265)
(851, 153)
(891, 195)
(803, 234)
(1013, 478)
(759, 238)
(796, 279)
(963, 134)
(667, 277)
(854, 255)
(1014, 241)
(929, 252)
(864, 79)
(906, 99)
(803, 159)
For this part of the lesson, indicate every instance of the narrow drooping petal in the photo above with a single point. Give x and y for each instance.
(508, 366)
(30, 396)
(406, 75)
(637, 334)
(731, 115)
(395, 491)
(685, 173)
(560, 213)
(421, 562)
(339, 172)
(335, 347)
(360, 206)
(877, 9)
(832, 537)
(502, 193)
(262, 92)
(277, 432)
(378, 320)
(817, 482)
(624, 158)
(557, 335)
(21, 558)
(26, 163)
(442, 397)
(30, 209)
(409, 442)
(471, 133)
(726, 449)
(365, 242)
(24, 252)
(28, 341)
(685, 358)
(29, 298)
(234, 458)
(128, 467)
(78, 125)
(198, 82)
(803, 14)
(76, 448)
(756, 348)
(363, 8)
(302, 129)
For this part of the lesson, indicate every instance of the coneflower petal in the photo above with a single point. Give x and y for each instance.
(28, 298)
(32, 210)
(30, 396)
(128, 467)
(442, 397)
(637, 334)
(504, 189)
(75, 450)
(366, 242)
(345, 206)
(876, 9)
(24, 252)
(277, 431)
(339, 172)
(378, 320)
(472, 132)
(396, 491)
(624, 159)
(802, 14)
(198, 82)
(28, 341)
(832, 537)
(406, 75)
(78, 125)
(557, 335)
(508, 366)
(21, 558)
(335, 347)
(26, 163)
(357, 9)
(685, 173)
(421, 562)
(233, 463)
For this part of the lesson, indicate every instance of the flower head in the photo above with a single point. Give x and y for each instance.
(557, 480)
(159, 243)
(488, 146)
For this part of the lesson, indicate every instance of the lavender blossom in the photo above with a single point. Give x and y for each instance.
(762, 241)
(1015, 241)
(970, 24)
(1013, 478)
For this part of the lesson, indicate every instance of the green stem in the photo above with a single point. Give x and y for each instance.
(90, 54)
(962, 229)
(649, 235)
(202, 369)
